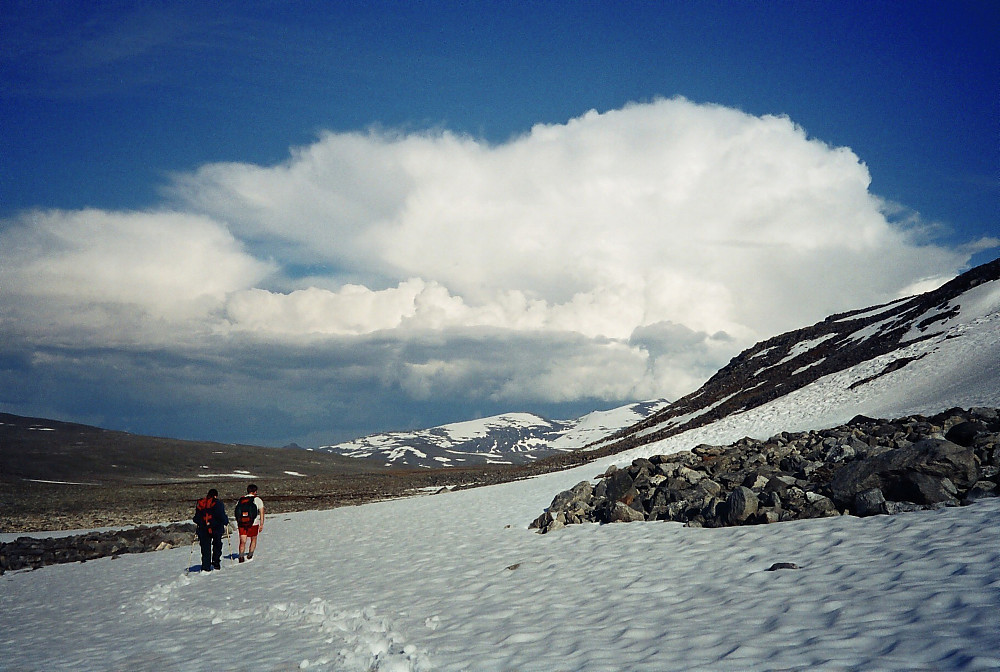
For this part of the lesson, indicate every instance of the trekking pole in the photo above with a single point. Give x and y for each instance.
(229, 542)
(191, 554)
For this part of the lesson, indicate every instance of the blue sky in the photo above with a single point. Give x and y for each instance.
(268, 222)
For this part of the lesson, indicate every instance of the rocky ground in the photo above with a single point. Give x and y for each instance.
(32, 506)
(33, 553)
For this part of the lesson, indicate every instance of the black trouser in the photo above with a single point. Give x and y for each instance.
(211, 549)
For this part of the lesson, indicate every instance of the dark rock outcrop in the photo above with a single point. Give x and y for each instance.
(32, 553)
(865, 467)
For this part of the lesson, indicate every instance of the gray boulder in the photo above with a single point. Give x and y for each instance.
(741, 504)
(869, 503)
(980, 490)
(619, 486)
(576, 496)
(902, 472)
(965, 433)
(623, 513)
(921, 488)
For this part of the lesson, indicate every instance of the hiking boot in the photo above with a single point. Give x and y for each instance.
(242, 559)
(249, 556)
(217, 565)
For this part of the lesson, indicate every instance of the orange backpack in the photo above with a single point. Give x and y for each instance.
(203, 513)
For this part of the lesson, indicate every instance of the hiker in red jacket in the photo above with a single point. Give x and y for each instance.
(210, 517)
(250, 520)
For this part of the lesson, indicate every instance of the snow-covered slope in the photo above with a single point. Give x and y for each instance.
(511, 438)
(456, 581)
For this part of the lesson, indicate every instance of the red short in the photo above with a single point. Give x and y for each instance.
(249, 531)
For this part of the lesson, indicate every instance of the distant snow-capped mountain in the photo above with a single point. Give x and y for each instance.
(510, 438)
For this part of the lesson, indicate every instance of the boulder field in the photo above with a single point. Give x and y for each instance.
(865, 467)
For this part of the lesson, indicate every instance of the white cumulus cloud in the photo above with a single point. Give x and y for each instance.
(629, 253)
(94, 275)
(698, 214)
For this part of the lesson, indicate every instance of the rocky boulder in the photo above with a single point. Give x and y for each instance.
(928, 472)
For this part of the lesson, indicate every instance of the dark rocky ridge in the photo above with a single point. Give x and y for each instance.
(865, 467)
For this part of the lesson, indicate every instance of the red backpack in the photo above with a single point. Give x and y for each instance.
(203, 513)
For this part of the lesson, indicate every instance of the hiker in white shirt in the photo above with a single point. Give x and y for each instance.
(250, 521)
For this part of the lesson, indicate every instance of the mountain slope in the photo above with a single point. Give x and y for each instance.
(49, 450)
(511, 438)
(859, 348)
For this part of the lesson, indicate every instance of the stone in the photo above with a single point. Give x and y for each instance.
(619, 485)
(869, 503)
(819, 506)
(705, 490)
(782, 565)
(690, 475)
(769, 498)
(768, 515)
(622, 513)
(964, 433)
(776, 486)
(554, 524)
(841, 452)
(894, 508)
(930, 457)
(582, 491)
(980, 490)
(920, 488)
(741, 503)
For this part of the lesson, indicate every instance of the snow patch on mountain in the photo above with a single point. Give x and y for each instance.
(510, 438)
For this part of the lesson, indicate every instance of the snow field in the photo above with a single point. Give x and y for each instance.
(441, 583)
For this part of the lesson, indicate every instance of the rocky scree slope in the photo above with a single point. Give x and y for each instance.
(865, 467)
